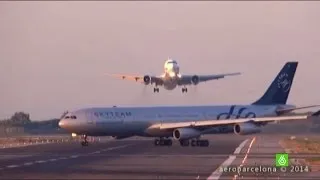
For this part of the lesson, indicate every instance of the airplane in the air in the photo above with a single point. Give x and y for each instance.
(171, 78)
(187, 123)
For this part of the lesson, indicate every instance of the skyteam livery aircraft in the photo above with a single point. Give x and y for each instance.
(185, 123)
(171, 78)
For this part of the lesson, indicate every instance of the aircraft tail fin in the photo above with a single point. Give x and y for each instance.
(279, 90)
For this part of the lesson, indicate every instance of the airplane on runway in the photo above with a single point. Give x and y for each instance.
(171, 78)
(187, 123)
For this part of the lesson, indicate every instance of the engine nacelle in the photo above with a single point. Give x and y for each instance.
(146, 79)
(121, 137)
(246, 128)
(185, 133)
(195, 79)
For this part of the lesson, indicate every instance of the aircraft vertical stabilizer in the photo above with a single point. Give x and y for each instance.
(279, 90)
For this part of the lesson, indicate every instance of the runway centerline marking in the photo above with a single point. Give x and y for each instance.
(246, 156)
(217, 173)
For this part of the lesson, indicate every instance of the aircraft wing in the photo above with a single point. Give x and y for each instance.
(194, 79)
(204, 123)
(139, 78)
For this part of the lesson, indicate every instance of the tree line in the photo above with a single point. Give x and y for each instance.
(22, 119)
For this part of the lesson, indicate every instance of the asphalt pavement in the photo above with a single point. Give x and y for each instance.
(137, 158)
(111, 159)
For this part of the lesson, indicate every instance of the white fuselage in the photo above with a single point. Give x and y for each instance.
(171, 74)
(121, 121)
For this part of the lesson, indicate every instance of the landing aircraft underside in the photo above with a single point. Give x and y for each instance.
(171, 78)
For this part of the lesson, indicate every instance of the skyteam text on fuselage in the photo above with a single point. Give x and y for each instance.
(171, 78)
(185, 123)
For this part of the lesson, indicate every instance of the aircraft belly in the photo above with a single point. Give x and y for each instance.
(170, 84)
(156, 132)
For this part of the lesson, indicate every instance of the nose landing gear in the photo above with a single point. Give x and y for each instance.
(84, 142)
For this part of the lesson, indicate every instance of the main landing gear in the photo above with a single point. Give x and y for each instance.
(84, 142)
(163, 142)
(184, 90)
(195, 142)
(156, 90)
(184, 143)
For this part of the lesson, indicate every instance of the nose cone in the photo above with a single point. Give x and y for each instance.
(62, 123)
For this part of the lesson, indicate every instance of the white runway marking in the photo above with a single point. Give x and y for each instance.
(246, 156)
(52, 160)
(117, 147)
(74, 156)
(217, 173)
(238, 149)
(40, 162)
(28, 163)
(12, 166)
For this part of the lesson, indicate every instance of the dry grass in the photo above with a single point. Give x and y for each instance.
(304, 146)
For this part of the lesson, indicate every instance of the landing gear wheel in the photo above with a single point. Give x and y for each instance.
(163, 142)
(193, 143)
(184, 90)
(156, 142)
(203, 143)
(169, 142)
(84, 142)
(156, 90)
(184, 143)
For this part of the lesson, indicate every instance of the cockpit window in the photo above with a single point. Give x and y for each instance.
(172, 62)
(70, 117)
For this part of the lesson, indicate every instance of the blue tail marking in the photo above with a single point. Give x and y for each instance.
(279, 90)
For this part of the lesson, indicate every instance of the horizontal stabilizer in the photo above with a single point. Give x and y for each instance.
(316, 114)
(288, 110)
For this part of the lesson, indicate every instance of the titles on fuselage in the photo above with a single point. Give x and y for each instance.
(109, 115)
(239, 114)
(230, 114)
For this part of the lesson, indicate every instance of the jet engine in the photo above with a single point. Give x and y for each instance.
(185, 133)
(246, 128)
(195, 79)
(122, 137)
(146, 79)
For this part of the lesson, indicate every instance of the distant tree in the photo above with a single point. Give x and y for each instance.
(20, 118)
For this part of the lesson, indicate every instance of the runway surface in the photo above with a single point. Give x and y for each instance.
(138, 159)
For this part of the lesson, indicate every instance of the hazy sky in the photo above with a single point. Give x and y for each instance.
(53, 54)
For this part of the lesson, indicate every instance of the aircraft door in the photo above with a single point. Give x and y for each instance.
(90, 118)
